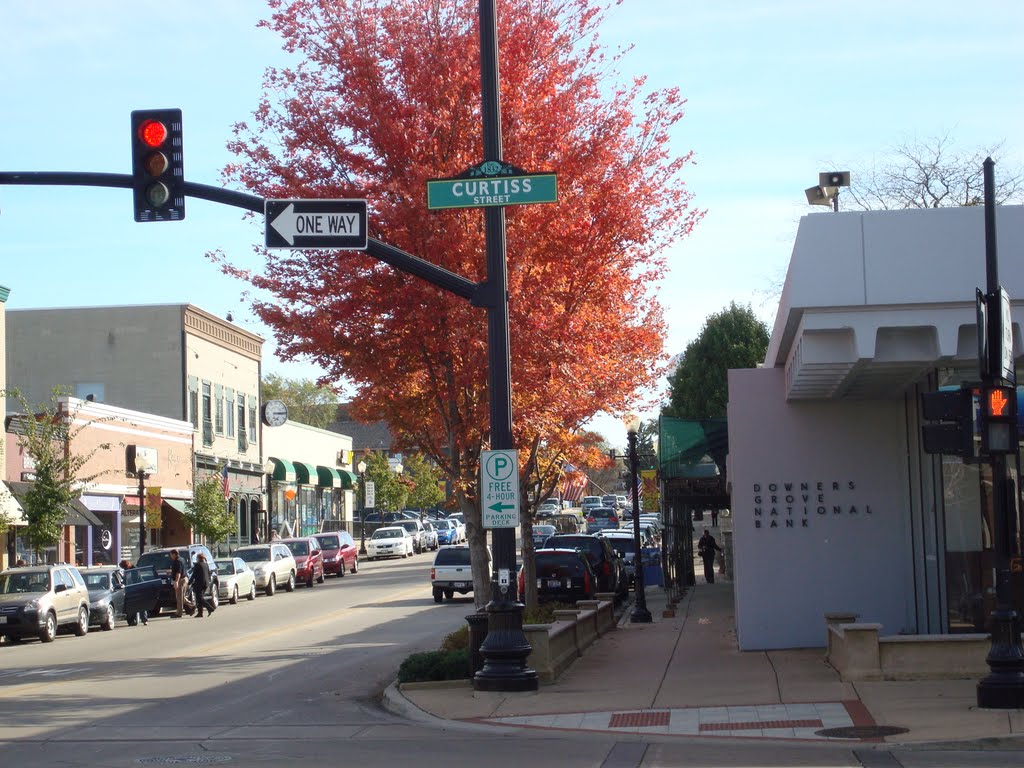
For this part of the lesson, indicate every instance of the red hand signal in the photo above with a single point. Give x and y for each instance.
(998, 402)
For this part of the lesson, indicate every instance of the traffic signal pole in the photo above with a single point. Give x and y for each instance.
(1004, 686)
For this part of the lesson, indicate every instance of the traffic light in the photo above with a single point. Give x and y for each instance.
(954, 410)
(158, 176)
(999, 420)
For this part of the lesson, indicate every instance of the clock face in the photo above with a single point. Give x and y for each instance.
(275, 413)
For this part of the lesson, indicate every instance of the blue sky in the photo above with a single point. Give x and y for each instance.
(777, 91)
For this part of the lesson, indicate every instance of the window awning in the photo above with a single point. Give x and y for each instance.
(177, 504)
(284, 471)
(336, 478)
(76, 512)
(10, 508)
(306, 473)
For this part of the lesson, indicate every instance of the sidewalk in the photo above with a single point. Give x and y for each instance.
(683, 677)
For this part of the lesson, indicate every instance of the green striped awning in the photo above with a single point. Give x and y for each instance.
(284, 471)
(305, 473)
(329, 477)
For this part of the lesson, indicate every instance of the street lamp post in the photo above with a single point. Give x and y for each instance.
(640, 614)
(361, 467)
(141, 465)
(268, 470)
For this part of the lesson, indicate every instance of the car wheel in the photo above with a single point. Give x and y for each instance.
(252, 590)
(310, 580)
(234, 595)
(108, 621)
(49, 631)
(214, 596)
(438, 595)
(355, 565)
(290, 586)
(341, 571)
(81, 628)
(320, 579)
(272, 585)
(449, 593)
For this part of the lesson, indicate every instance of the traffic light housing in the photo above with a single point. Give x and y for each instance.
(999, 420)
(158, 176)
(954, 410)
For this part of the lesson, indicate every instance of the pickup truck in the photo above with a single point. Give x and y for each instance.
(451, 572)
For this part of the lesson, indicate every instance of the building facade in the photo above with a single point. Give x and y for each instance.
(835, 505)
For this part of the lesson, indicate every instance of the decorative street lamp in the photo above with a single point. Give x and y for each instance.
(640, 614)
(361, 467)
(141, 465)
(268, 470)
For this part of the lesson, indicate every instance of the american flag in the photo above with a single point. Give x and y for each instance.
(639, 493)
(225, 483)
(573, 484)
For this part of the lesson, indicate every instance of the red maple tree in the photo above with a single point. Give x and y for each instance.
(386, 95)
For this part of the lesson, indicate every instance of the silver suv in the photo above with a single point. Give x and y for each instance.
(38, 600)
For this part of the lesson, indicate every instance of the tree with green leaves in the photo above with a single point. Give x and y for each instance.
(307, 402)
(391, 492)
(699, 386)
(426, 482)
(207, 514)
(46, 433)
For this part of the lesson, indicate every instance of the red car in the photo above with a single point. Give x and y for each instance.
(340, 552)
(309, 559)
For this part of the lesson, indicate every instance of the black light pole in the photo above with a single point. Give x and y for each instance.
(140, 471)
(640, 614)
(505, 648)
(1004, 686)
(361, 466)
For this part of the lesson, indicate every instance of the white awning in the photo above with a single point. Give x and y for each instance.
(10, 508)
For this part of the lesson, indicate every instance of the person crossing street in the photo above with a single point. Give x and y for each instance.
(199, 581)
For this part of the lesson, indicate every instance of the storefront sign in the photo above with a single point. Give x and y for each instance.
(791, 504)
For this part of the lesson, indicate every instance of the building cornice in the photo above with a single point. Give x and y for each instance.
(222, 333)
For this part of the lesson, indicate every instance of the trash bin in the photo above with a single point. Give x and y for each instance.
(477, 634)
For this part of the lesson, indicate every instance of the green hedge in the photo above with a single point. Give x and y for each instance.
(435, 665)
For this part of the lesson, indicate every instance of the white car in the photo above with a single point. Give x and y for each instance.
(393, 541)
(235, 578)
(272, 564)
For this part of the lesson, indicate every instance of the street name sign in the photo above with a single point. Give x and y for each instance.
(499, 488)
(316, 224)
(492, 184)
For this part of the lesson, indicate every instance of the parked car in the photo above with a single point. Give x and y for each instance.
(452, 572)
(460, 523)
(110, 600)
(610, 500)
(39, 600)
(566, 522)
(547, 509)
(563, 575)
(236, 578)
(430, 536)
(541, 533)
(447, 532)
(272, 564)
(590, 501)
(309, 559)
(607, 565)
(599, 518)
(160, 561)
(340, 552)
(416, 530)
(624, 544)
(392, 541)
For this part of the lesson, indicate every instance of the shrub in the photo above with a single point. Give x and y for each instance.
(435, 665)
(544, 613)
(457, 640)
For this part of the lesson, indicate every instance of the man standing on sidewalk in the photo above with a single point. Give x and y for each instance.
(178, 582)
(706, 548)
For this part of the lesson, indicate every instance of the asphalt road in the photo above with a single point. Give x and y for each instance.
(297, 678)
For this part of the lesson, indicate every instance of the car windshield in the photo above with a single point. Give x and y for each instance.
(544, 530)
(97, 580)
(622, 545)
(257, 555)
(452, 556)
(410, 526)
(602, 512)
(559, 564)
(13, 583)
(226, 566)
(388, 533)
(298, 547)
(329, 542)
(589, 545)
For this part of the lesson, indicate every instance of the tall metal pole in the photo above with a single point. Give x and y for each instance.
(1004, 686)
(640, 614)
(505, 649)
(142, 511)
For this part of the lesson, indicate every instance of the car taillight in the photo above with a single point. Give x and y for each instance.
(522, 583)
(606, 568)
(613, 520)
(590, 519)
(586, 582)
(433, 574)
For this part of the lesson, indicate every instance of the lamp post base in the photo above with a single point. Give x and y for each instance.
(1004, 687)
(504, 652)
(640, 615)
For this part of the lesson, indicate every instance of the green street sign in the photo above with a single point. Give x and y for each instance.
(499, 488)
(491, 184)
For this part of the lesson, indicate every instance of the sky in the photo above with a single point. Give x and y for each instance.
(777, 92)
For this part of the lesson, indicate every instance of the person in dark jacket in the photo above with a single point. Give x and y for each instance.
(142, 617)
(706, 548)
(199, 581)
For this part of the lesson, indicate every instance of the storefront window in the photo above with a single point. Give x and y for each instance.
(308, 512)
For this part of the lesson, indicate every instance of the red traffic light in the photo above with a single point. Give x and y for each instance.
(152, 133)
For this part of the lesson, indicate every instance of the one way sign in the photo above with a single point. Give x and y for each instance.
(316, 224)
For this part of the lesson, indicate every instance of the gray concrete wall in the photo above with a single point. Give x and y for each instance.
(820, 506)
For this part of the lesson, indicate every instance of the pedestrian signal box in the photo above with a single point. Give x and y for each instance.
(953, 410)
(999, 420)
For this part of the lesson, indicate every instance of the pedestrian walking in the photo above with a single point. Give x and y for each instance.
(141, 617)
(199, 581)
(706, 548)
(178, 582)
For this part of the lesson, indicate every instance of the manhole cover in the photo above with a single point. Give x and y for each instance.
(185, 760)
(861, 732)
